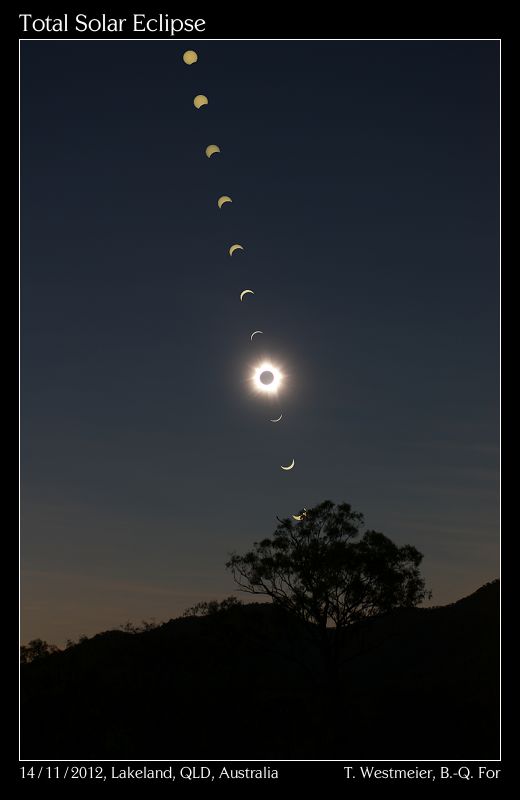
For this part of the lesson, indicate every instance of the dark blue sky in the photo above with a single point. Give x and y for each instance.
(365, 180)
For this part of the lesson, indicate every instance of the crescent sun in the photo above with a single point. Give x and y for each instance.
(190, 57)
(254, 333)
(224, 199)
(291, 465)
(277, 419)
(246, 291)
(200, 100)
(211, 149)
(235, 247)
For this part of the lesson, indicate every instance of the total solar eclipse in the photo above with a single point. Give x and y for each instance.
(267, 378)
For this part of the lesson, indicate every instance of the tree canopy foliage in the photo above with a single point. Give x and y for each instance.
(323, 570)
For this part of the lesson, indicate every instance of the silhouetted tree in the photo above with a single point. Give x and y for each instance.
(208, 608)
(37, 648)
(320, 571)
(73, 642)
(146, 625)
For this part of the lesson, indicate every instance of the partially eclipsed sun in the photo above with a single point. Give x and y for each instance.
(267, 378)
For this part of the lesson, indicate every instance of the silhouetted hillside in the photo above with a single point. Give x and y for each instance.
(246, 683)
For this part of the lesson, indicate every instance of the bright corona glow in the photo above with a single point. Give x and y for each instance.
(267, 378)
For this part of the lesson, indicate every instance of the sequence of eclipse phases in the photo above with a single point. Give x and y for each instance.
(266, 377)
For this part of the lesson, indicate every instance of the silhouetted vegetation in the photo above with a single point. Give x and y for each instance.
(340, 664)
(37, 648)
(318, 571)
(205, 609)
(146, 625)
(72, 642)
(419, 683)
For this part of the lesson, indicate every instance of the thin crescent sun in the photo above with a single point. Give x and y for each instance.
(277, 419)
(224, 199)
(246, 291)
(291, 465)
(235, 247)
(255, 332)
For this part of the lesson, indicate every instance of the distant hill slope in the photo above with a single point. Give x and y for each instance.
(421, 683)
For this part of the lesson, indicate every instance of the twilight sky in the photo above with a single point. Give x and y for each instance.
(365, 179)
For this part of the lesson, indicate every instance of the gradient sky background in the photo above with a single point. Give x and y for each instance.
(365, 179)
